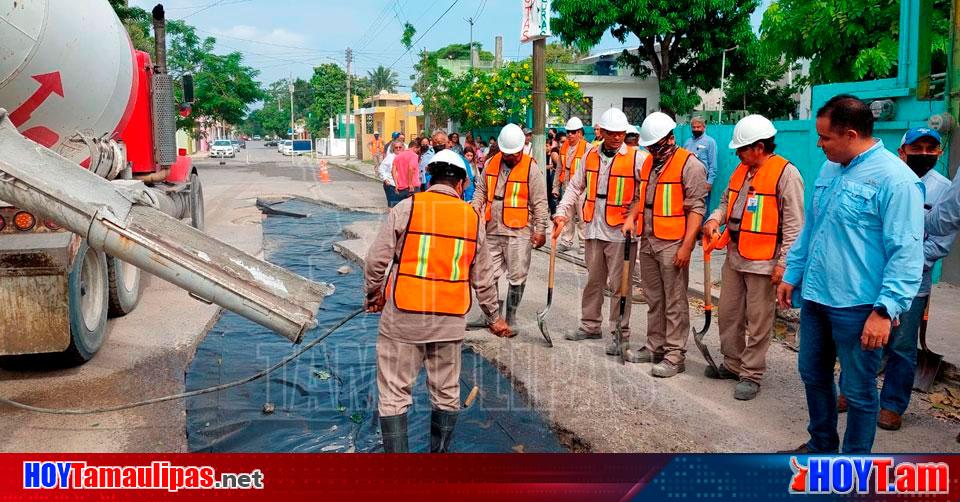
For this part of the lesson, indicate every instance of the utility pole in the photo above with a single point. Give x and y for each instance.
(723, 78)
(471, 21)
(290, 88)
(540, 102)
(346, 119)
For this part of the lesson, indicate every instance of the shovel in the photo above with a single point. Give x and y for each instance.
(709, 243)
(624, 284)
(542, 315)
(928, 362)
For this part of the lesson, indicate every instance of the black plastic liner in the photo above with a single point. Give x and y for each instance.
(326, 401)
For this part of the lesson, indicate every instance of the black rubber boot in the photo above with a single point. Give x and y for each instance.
(441, 430)
(514, 295)
(394, 430)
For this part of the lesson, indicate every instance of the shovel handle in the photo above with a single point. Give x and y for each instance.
(625, 275)
(923, 327)
(709, 243)
(553, 262)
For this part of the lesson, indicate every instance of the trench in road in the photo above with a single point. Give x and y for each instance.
(327, 400)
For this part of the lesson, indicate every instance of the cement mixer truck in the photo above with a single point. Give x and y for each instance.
(93, 188)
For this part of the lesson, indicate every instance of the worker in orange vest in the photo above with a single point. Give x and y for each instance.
(513, 202)
(376, 149)
(571, 155)
(605, 186)
(667, 216)
(439, 251)
(763, 212)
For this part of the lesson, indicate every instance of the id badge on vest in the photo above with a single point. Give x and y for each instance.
(752, 202)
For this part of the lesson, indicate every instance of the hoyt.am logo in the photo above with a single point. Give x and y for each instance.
(879, 475)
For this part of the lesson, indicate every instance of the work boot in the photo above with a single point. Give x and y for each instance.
(514, 295)
(841, 403)
(394, 430)
(889, 420)
(746, 390)
(638, 296)
(614, 348)
(563, 248)
(800, 450)
(721, 373)
(441, 430)
(642, 355)
(666, 369)
(580, 335)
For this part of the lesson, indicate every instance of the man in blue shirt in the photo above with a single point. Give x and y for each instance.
(441, 142)
(858, 262)
(705, 148)
(944, 218)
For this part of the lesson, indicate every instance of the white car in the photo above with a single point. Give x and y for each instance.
(280, 145)
(286, 147)
(223, 148)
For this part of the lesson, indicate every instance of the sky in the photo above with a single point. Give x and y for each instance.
(283, 38)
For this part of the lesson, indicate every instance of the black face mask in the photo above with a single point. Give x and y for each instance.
(697, 134)
(438, 148)
(921, 164)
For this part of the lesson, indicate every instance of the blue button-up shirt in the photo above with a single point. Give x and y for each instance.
(468, 189)
(935, 247)
(862, 243)
(705, 148)
(944, 218)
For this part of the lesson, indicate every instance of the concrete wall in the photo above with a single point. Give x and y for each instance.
(608, 92)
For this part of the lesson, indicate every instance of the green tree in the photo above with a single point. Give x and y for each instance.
(491, 99)
(383, 79)
(462, 52)
(757, 82)
(845, 39)
(329, 83)
(564, 54)
(138, 24)
(680, 45)
(431, 84)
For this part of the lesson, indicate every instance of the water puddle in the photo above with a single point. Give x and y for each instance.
(326, 401)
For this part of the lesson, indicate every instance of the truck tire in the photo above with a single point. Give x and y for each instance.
(89, 296)
(197, 216)
(125, 288)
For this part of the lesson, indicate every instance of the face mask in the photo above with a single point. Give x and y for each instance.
(438, 148)
(921, 164)
(697, 134)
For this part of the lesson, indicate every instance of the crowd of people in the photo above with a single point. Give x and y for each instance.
(634, 202)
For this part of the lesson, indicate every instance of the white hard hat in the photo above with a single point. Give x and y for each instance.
(574, 124)
(655, 127)
(614, 120)
(448, 157)
(511, 139)
(751, 129)
(633, 130)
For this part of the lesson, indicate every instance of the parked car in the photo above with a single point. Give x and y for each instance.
(238, 144)
(270, 143)
(286, 147)
(280, 144)
(257, 138)
(223, 148)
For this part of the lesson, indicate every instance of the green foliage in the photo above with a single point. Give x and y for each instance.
(564, 54)
(680, 44)
(431, 83)
(383, 79)
(408, 33)
(757, 82)
(329, 83)
(847, 39)
(137, 22)
(462, 52)
(493, 99)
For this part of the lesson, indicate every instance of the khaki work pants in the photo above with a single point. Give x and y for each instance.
(574, 223)
(747, 313)
(604, 267)
(399, 365)
(668, 314)
(510, 256)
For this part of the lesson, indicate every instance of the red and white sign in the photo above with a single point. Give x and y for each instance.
(536, 20)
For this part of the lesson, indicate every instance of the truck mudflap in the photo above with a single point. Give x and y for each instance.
(124, 222)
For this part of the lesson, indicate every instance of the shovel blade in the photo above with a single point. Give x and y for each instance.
(544, 329)
(698, 340)
(928, 367)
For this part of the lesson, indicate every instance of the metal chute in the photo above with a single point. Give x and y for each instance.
(123, 222)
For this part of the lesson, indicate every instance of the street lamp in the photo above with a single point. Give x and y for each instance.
(723, 71)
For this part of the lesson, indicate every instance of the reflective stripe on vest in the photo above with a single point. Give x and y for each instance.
(669, 217)
(567, 171)
(759, 227)
(621, 186)
(438, 251)
(516, 211)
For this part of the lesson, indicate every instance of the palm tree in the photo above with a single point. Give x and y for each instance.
(383, 79)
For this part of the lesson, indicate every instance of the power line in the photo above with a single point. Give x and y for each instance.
(425, 33)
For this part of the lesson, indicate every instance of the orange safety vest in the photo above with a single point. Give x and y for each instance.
(620, 187)
(436, 257)
(516, 210)
(376, 146)
(567, 171)
(759, 226)
(669, 217)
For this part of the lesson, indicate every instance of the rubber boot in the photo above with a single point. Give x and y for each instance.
(394, 430)
(514, 295)
(441, 430)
